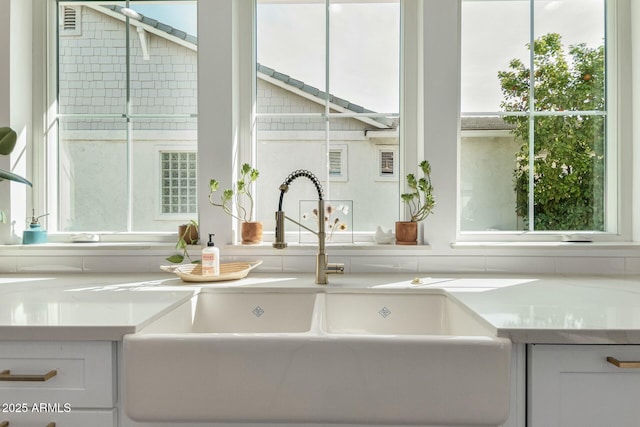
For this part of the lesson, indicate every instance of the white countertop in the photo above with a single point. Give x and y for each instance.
(524, 308)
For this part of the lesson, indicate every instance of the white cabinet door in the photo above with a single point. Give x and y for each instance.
(82, 374)
(575, 386)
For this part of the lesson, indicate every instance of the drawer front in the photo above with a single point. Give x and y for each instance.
(83, 374)
(576, 385)
(80, 418)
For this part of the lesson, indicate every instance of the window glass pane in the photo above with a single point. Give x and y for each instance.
(92, 63)
(291, 40)
(110, 169)
(92, 175)
(375, 200)
(570, 73)
(365, 49)
(493, 34)
(163, 58)
(293, 107)
(164, 173)
(283, 146)
(487, 161)
(569, 173)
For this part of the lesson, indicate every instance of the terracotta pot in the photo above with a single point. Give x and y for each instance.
(251, 232)
(191, 236)
(406, 233)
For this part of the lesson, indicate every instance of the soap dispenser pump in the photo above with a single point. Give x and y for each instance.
(35, 233)
(211, 258)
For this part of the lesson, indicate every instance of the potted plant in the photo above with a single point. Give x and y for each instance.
(238, 202)
(8, 138)
(420, 202)
(187, 235)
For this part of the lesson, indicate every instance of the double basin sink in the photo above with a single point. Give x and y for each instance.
(359, 356)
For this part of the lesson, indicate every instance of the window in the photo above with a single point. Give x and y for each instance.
(538, 146)
(109, 117)
(328, 99)
(125, 83)
(178, 189)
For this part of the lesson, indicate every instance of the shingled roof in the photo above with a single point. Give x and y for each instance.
(159, 26)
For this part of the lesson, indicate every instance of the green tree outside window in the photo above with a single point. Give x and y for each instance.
(569, 161)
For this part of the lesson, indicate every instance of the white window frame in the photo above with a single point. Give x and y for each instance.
(46, 159)
(429, 108)
(619, 147)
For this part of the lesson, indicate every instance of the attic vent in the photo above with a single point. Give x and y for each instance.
(335, 162)
(70, 20)
(387, 165)
(338, 163)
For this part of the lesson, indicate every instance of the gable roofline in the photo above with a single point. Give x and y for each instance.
(318, 96)
(151, 25)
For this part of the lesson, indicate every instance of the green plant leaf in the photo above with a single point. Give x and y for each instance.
(4, 174)
(8, 138)
(175, 259)
(214, 185)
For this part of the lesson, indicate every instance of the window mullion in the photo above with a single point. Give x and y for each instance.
(531, 204)
(129, 125)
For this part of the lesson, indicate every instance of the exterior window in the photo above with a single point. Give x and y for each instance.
(536, 145)
(178, 187)
(125, 84)
(335, 91)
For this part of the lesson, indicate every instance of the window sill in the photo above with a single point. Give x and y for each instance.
(99, 248)
(164, 248)
(299, 249)
(545, 245)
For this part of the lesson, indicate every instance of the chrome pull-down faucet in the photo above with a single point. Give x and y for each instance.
(323, 267)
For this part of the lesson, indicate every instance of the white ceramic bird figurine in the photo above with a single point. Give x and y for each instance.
(383, 237)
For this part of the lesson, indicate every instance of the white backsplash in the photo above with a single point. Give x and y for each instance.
(21, 259)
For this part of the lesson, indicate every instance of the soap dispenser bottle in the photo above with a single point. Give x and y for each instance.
(211, 259)
(35, 233)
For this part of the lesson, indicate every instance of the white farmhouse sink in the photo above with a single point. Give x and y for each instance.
(250, 312)
(322, 356)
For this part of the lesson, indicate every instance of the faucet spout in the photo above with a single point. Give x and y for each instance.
(323, 267)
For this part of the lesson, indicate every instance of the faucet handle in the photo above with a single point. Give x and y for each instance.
(335, 268)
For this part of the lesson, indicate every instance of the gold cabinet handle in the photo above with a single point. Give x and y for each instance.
(4, 424)
(48, 425)
(623, 363)
(7, 376)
